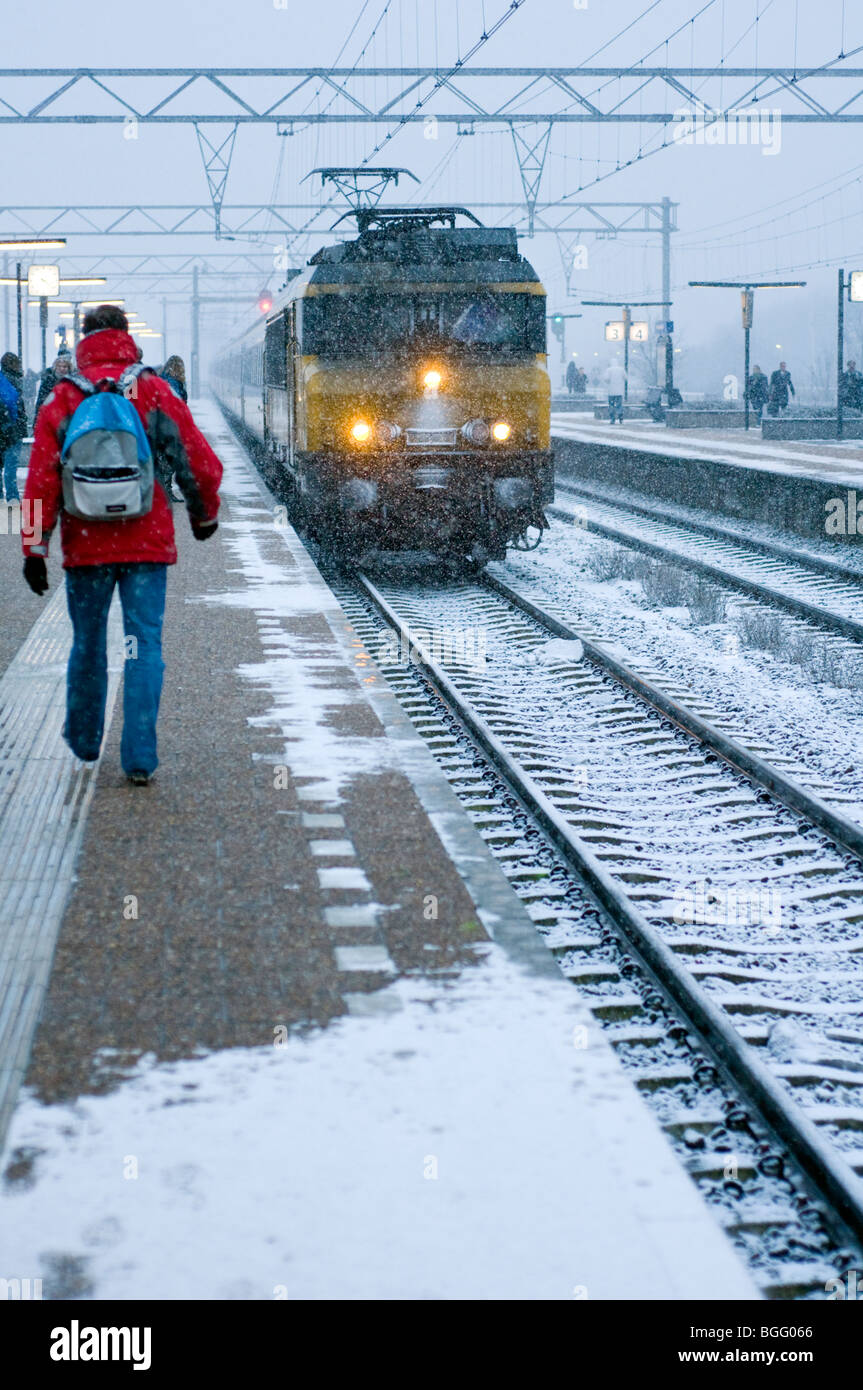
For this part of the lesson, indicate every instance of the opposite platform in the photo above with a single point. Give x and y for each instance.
(790, 486)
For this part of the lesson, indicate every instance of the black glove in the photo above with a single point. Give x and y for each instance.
(36, 574)
(203, 530)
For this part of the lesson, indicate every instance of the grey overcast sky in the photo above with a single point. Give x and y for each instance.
(795, 213)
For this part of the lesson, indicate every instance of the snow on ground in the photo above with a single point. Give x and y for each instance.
(798, 704)
(457, 1145)
(304, 664)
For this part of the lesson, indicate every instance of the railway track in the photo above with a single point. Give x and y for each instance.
(809, 586)
(648, 805)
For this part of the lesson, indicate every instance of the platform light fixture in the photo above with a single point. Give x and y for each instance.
(26, 243)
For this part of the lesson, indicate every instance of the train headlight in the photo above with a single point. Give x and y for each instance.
(432, 381)
(361, 432)
(386, 432)
(476, 432)
(501, 431)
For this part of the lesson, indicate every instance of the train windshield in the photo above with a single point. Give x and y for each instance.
(482, 322)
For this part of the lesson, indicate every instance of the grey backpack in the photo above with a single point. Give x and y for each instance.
(107, 462)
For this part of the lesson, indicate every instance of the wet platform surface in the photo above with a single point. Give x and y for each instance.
(300, 1039)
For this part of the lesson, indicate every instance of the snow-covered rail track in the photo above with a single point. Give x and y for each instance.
(821, 590)
(744, 916)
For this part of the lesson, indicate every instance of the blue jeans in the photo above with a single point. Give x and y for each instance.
(142, 594)
(10, 472)
(615, 409)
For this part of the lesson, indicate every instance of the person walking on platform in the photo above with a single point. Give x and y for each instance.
(174, 372)
(60, 367)
(615, 380)
(571, 377)
(116, 530)
(13, 422)
(780, 385)
(851, 387)
(758, 391)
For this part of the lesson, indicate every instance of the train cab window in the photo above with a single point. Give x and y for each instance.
(486, 318)
(482, 321)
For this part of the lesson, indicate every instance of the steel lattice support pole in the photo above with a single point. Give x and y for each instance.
(531, 155)
(20, 312)
(217, 165)
(840, 356)
(194, 377)
(666, 296)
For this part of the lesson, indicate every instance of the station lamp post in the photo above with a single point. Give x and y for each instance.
(747, 298)
(45, 282)
(8, 244)
(625, 329)
(853, 284)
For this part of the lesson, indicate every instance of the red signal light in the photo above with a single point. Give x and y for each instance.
(265, 302)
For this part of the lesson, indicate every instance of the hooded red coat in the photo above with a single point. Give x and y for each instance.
(178, 447)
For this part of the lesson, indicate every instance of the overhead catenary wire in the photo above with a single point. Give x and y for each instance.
(447, 77)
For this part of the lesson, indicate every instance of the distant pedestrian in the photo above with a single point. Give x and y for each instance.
(851, 387)
(570, 377)
(581, 382)
(60, 367)
(780, 385)
(615, 381)
(101, 550)
(174, 372)
(758, 391)
(13, 422)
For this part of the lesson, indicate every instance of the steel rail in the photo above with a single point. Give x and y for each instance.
(833, 569)
(835, 1180)
(783, 788)
(824, 617)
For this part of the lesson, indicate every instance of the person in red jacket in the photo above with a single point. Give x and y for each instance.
(132, 555)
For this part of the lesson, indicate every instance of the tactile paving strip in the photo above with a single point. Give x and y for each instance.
(45, 794)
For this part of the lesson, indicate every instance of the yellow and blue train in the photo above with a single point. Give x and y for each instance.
(399, 386)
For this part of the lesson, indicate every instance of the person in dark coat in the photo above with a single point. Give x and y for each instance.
(174, 372)
(13, 422)
(60, 367)
(758, 391)
(780, 385)
(851, 387)
(571, 375)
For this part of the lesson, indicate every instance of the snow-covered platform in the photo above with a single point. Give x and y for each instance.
(788, 484)
(300, 1039)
